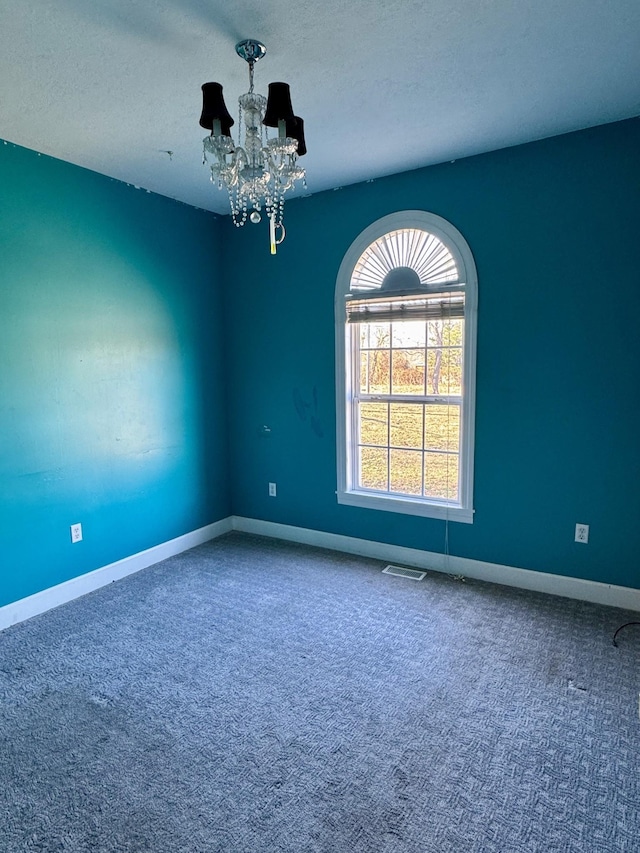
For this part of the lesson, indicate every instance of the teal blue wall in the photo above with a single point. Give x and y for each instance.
(112, 409)
(553, 226)
(125, 377)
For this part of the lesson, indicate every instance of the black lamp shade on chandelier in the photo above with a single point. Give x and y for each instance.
(295, 130)
(278, 105)
(214, 108)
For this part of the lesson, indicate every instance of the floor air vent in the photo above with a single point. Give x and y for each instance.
(401, 572)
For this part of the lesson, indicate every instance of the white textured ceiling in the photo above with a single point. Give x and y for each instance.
(383, 87)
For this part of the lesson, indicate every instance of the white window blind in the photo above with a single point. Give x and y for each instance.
(434, 307)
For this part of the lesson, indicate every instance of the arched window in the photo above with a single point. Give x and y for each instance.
(406, 298)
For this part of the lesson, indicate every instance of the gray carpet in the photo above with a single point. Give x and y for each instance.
(252, 696)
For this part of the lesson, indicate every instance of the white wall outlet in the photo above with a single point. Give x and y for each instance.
(76, 533)
(272, 490)
(582, 533)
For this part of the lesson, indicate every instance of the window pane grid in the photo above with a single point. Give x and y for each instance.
(408, 448)
(436, 481)
(416, 449)
(411, 358)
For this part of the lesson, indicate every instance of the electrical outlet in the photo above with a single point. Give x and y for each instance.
(76, 533)
(582, 533)
(272, 490)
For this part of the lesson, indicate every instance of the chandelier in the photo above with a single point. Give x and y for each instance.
(258, 172)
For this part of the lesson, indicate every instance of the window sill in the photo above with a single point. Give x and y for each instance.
(405, 506)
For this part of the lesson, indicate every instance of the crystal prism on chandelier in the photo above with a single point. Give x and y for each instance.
(258, 173)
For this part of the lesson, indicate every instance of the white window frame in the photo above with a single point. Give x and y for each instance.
(347, 492)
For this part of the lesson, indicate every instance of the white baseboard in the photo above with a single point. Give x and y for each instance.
(583, 590)
(567, 587)
(38, 603)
